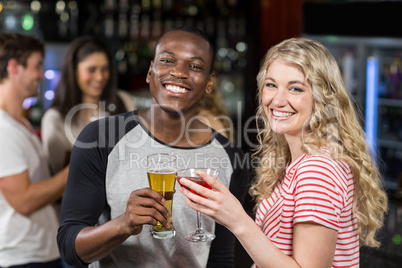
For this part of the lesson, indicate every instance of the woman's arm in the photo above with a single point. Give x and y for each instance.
(313, 244)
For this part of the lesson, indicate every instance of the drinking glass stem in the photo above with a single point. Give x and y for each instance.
(199, 225)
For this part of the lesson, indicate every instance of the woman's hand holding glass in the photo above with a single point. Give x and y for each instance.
(219, 204)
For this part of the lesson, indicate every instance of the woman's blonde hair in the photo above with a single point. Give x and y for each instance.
(333, 124)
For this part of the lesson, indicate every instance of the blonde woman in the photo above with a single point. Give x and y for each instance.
(318, 192)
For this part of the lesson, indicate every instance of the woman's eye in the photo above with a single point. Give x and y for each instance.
(296, 89)
(270, 85)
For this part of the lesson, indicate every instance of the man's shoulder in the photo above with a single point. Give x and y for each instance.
(8, 128)
(9, 134)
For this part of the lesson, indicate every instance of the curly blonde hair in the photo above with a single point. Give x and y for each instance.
(333, 124)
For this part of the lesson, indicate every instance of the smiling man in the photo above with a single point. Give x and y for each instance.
(108, 208)
(28, 221)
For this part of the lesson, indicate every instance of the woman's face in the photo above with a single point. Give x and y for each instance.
(92, 75)
(287, 98)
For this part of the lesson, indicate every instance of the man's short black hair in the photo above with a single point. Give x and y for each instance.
(193, 30)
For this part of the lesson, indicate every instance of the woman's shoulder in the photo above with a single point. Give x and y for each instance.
(52, 114)
(325, 155)
(127, 99)
(323, 165)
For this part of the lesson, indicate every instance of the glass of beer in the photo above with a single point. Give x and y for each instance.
(161, 170)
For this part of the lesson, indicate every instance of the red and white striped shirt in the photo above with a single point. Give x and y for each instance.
(315, 189)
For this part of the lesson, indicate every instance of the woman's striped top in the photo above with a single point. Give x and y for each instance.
(315, 189)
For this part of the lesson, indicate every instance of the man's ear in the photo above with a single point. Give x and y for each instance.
(148, 79)
(210, 84)
(12, 66)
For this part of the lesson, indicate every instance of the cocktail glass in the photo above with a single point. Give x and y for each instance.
(199, 235)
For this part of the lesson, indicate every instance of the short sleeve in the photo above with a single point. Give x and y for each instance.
(55, 143)
(318, 193)
(13, 159)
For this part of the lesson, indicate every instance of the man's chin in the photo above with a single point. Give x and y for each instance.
(176, 113)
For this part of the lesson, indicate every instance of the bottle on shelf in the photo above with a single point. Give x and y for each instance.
(396, 79)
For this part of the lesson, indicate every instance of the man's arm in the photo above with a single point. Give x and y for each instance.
(144, 206)
(80, 237)
(27, 197)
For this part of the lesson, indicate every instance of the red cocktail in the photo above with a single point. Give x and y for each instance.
(197, 180)
(198, 235)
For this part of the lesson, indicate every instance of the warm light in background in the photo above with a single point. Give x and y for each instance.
(35, 6)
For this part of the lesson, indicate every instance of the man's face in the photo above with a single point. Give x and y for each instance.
(180, 74)
(30, 76)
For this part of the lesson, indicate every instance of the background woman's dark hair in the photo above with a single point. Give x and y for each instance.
(67, 93)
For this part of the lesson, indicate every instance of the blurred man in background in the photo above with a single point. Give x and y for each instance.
(28, 222)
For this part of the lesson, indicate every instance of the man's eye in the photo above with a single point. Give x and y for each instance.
(193, 66)
(166, 60)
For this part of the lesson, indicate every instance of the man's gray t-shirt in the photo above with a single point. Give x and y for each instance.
(109, 162)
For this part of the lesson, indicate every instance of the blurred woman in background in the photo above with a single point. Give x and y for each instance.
(87, 91)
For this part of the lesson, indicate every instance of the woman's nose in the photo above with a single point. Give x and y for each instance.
(99, 75)
(280, 98)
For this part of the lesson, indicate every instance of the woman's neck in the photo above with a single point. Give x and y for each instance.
(295, 147)
(89, 99)
(90, 109)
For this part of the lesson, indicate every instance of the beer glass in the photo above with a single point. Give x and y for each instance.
(199, 235)
(161, 170)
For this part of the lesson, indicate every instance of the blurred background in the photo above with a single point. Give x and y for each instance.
(365, 37)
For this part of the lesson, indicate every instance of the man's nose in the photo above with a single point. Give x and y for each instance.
(179, 71)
